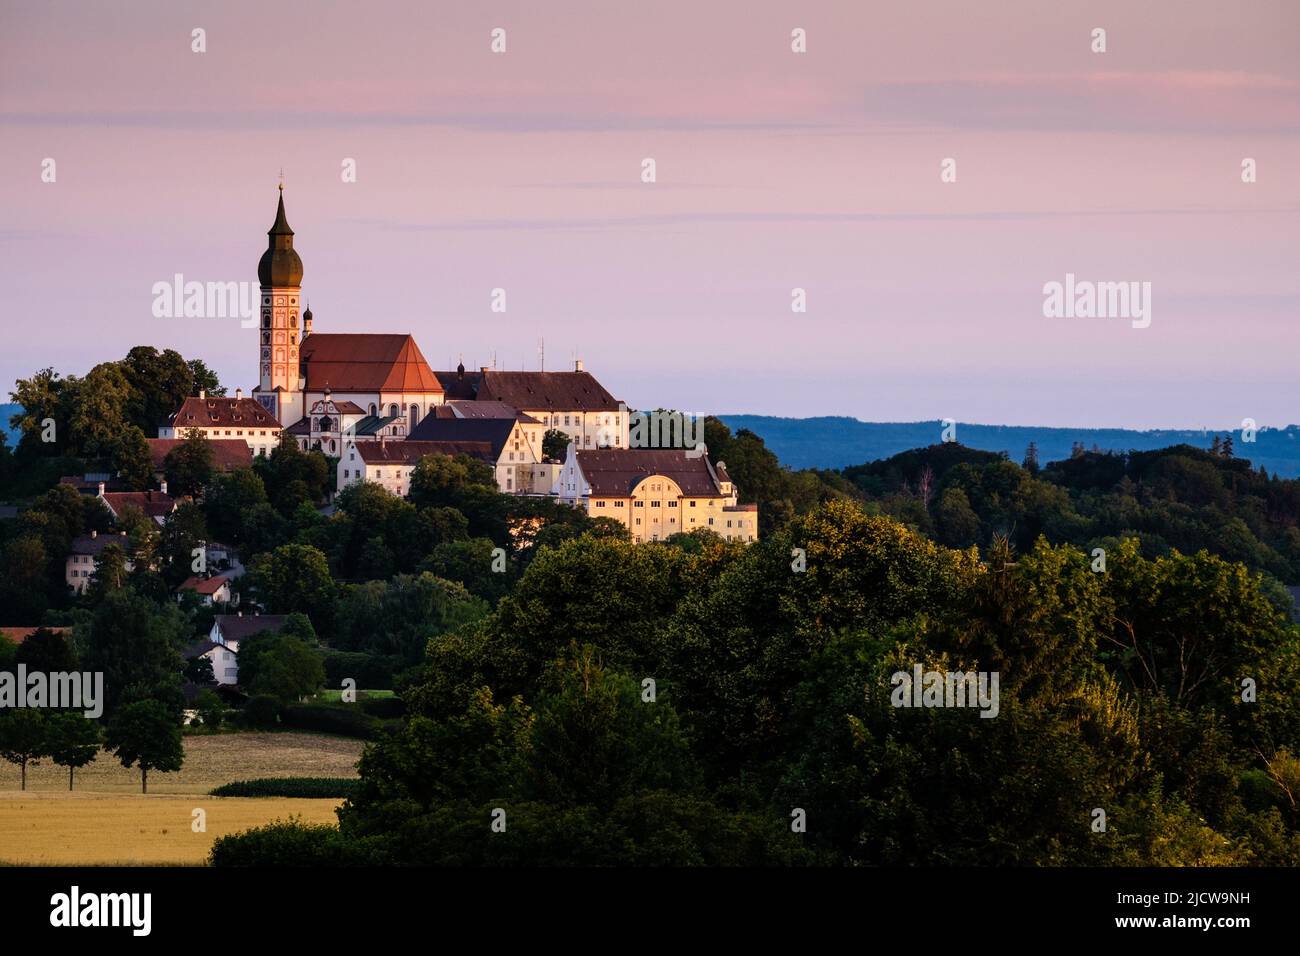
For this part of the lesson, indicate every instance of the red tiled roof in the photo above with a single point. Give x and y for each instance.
(204, 585)
(615, 472)
(154, 504)
(212, 412)
(20, 634)
(227, 453)
(366, 362)
(409, 452)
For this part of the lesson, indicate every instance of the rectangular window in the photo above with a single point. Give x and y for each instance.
(638, 520)
(692, 503)
(618, 504)
(672, 504)
(710, 519)
(656, 504)
(600, 504)
(638, 504)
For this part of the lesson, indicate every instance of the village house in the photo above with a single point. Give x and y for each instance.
(211, 590)
(83, 557)
(511, 454)
(656, 493)
(222, 644)
(152, 504)
(390, 463)
(216, 418)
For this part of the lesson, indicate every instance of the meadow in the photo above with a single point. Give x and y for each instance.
(105, 820)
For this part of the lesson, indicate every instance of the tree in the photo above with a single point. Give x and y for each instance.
(204, 379)
(23, 737)
(146, 734)
(189, 465)
(293, 577)
(40, 399)
(132, 459)
(110, 573)
(280, 666)
(134, 643)
(46, 651)
(73, 740)
(1031, 458)
(555, 444)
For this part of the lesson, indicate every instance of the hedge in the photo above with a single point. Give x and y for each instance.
(322, 787)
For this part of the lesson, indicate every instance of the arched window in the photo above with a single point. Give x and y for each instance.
(373, 410)
(326, 425)
(392, 410)
(331, 446)
(415, 415)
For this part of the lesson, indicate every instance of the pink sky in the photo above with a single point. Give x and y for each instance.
(775, 170)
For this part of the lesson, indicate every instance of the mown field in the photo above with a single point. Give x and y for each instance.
(106, 820)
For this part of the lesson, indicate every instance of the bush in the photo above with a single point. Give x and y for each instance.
(374, 671)
(262, 711)
(346, 720)
(283, 843)
(311, 787)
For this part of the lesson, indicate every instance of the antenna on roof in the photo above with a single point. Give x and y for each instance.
(541, 353)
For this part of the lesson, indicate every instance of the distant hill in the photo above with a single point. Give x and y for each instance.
(837, 442)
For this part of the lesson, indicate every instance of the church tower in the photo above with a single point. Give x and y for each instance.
(279, 333)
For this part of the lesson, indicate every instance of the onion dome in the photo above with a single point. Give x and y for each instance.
(280, 266)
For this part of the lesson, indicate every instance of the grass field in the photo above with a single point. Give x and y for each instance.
(99, 829)
(106, 820)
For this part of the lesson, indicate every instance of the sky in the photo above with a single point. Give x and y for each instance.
(774, 171)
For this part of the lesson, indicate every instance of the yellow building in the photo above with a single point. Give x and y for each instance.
(656, 493)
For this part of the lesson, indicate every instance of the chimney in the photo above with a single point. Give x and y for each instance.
(577, 365)
(239, 393)
(239, 614)
(203, 393)
(94, 534)
(162, 486)
(101, 489)
(482, 369)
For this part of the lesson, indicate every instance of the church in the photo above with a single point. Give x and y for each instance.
(321, 386)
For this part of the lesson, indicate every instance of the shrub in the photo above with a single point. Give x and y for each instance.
(346, 720)
(283, 843)
(322, 787)
(262, 711)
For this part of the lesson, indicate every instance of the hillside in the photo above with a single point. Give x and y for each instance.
(837, 442)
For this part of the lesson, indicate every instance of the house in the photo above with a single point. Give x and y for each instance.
(237, 418)
(94, 483)
(153, 504)
(211, 590)
(221, 646)
(656, 493)
(390, 463)
(512, 455)
(227, 453)
(83, 557)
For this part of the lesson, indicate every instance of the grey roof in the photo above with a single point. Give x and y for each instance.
(495, 431)
(237, 627)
